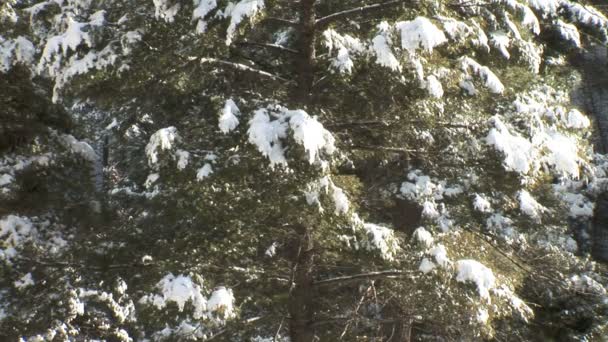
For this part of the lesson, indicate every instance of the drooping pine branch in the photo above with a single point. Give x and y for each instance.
(324, 21)
(244, 67)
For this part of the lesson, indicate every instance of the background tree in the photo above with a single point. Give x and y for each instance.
(235, 154)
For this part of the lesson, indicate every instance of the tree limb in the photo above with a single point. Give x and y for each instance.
(281, 21)
(244, 67)
(323, 22)
(365, 276)
(271, 46)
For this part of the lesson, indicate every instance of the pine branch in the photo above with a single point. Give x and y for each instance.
(383, 148)
(270, 46)
(281, 21)
(364, 276)
(244, 67)
(324, 21)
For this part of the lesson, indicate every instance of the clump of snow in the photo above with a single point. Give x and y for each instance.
(577, 120)
(152, 178)
(238, 12)
(440, 253)
(426, 266)
(383, 239)
(490, 80)
(519, 155)
(381, 46)
(579, 204)
(548, 8)
(325, 184)
(309, 133)
(568, 33)
(529, 206)
(423, 236)
(24, 281)
(585, 284)
(340, 200)
(481, 204)
(165, 10)
(221, 302)
(6, 179)
(501, 41)
(474, 271)
(434, 87)
(162, 139)
(201, 9)
(229, 117)
(183, 157)
(346, 46)
(420, 33)
(266, 134)
(14, 232)
(517, 305)
(563, 154)
(179, 290)
(19, 50)
(456, 30)
(204, 172)
(79, 147)
(429, 210)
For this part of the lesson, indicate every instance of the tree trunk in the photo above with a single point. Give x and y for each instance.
(306, 57)
(301, 299)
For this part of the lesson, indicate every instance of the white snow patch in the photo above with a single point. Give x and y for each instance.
(204, 172)
(490, 80)
(183, 157)
(221, 302)
(529, 206)
(481, 204)
(180, 290)
(518, 151)
(24, 281)
(163, 139)
(420, 33)
(474, 271)
(229, 117)
(440, 254)
(423, 236)
(426, 266)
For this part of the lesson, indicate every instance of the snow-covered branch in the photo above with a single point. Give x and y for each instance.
(324, 21)
(244, 67)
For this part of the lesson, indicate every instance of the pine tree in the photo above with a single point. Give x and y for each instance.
(257, 170)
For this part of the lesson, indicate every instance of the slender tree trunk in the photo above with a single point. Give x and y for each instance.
(301, 300)
(306, 57)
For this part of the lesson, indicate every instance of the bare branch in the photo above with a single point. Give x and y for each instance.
(365, 276)
(281, 21)
(244, 67)
(323, 22)
(271, 46)
(383, 148)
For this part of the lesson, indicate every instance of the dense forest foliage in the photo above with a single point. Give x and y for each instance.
(312, 170)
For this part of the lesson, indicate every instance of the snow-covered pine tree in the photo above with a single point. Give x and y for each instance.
(305, 170)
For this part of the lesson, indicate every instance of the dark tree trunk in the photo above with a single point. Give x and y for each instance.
(306, 57)
(301, 299)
